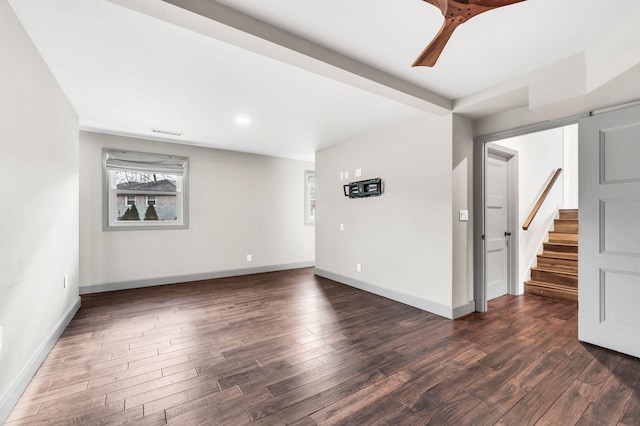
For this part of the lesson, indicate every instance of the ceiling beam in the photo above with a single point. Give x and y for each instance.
(223, 23)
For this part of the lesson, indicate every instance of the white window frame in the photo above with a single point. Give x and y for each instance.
(154, 200)
(308, 219)
(114, 159)
(126, 200)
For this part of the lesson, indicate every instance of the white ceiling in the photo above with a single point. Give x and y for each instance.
(129, 71)
(488, 49)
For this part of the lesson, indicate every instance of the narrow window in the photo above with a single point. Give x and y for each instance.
(309, 197)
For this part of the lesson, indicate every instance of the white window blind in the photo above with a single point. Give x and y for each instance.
(141, 161)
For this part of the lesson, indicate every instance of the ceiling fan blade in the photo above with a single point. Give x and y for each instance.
(494, 3)
(455, 12)
(432, 52)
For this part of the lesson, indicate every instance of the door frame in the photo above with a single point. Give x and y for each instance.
(512, 213)
(479, 169)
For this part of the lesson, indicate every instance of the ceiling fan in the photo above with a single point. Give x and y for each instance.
(455, 12)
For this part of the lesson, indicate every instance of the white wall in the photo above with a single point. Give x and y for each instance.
(239, 204)
(402, 239)
(462, 200)
(540, 154)
(570, 168)
(39, 226)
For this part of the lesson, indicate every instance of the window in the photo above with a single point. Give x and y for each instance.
(144, 191)
(309, 197)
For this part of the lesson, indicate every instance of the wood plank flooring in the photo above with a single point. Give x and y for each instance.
(291, 348)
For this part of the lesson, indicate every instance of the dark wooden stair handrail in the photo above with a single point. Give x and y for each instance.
(538, 204)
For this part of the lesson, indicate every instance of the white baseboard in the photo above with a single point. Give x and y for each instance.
(9, 401)
(465, 309)
(425, 305)
(150, 282)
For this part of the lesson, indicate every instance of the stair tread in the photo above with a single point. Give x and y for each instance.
(563, 243)
(559, 255)
(551, 285)
(563, 237)
(555, 271)
(553, 291)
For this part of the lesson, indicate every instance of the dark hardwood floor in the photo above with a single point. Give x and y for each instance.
(291, 348)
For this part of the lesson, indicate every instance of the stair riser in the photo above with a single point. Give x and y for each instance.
(559, 237)
(566, 226)
(553, 278)
(568, 256)
(551, 247)
(552, 293)
(568, 215)
(561, 264)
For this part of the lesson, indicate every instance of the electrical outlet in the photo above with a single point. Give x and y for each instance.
(64, 281)
(358, 172)
(249, 258)
(464, 215)
(341, 175)
(358, 267)
(342, 226)
(346, 175)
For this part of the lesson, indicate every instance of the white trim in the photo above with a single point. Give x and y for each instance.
(151, 282)
(513, 213)
(10, 399)
(425, 305)
(478, 195)
(110, 192)
(464, 309)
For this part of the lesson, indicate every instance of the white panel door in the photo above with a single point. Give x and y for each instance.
(496, 224)
(609, 250)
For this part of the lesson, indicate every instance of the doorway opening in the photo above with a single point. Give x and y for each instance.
(535, 152)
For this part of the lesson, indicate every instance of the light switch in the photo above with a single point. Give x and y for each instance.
(464, 215)
(342, 226)
(346, 175)
(358, 172)
(341, 175)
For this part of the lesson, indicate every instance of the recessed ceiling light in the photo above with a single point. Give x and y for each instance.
(166, 132)
(243, 119)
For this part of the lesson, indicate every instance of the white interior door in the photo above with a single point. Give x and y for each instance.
(496, 226)
(609, 250)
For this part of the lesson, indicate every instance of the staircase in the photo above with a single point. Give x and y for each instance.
(556, 275)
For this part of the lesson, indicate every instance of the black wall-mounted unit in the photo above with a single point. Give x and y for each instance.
(363, 188)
